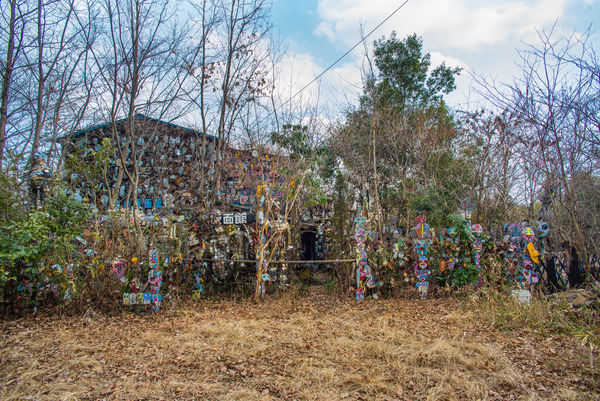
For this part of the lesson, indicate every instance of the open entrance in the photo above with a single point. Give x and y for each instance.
(309, 239)
(308, 253)
(313, 250)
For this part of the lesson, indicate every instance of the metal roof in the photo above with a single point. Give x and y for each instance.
(136, 116)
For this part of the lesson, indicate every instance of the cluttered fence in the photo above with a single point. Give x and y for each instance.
(100, 261)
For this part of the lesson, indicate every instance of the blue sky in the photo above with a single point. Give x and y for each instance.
(479, 35)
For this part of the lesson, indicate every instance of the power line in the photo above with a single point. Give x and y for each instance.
(344, 55)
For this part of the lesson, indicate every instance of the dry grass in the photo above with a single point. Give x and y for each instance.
(298, 349)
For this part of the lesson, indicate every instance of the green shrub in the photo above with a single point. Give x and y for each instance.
(31, 243)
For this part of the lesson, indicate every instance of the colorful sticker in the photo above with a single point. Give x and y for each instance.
(155, 280)
(422, 230)
(528, 234)
(198, 281)
(422, 287)
(156, 301)
(119, 268)
(476, 230)
(515, 232)
(421, 247)
(135, 285)
(153, 259)
(533, 254)
(468, 204)
(543, 229)
(531, 276)
(422, 274)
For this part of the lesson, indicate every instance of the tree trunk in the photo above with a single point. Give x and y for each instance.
(6, 76)
(39, 113)
(575, 278)
(553, 285)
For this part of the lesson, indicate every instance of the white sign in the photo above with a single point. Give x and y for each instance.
(236, 218)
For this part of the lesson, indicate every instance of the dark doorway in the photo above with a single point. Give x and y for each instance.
(308, 252)
(309, 239)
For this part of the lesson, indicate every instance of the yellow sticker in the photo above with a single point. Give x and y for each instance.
(533, 253)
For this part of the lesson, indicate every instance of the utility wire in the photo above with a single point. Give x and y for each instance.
(344, 55)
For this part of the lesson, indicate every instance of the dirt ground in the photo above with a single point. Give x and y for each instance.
(317, 347)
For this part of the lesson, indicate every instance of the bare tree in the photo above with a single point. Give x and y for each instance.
(492, 145)
(51, 65)
(241, 73)
(208, 19)
(47, 43)
(15, 14)
(144, 61)
(556, 102)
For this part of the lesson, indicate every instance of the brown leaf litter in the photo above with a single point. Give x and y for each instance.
(318, 348)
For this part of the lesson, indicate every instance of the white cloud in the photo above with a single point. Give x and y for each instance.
(438, 58)
(325, 29)
(296, 71)
(345, 81)
(480, 35)
(462, 24)
(338, 86)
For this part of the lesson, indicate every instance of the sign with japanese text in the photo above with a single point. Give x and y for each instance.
(236, 218)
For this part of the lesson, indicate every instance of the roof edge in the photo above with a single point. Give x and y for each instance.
(136, 116)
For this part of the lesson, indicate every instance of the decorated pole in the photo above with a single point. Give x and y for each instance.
(364, 274)
(468, 205)
(155, 280)
(422, 271)
(361, 257)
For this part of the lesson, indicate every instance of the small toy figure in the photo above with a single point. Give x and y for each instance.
(39, 177)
